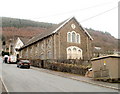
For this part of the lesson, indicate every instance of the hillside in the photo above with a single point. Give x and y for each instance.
(19, 23)
(104, 40)
(13, 32)
(13, 28)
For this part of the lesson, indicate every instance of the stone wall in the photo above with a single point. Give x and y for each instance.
(40, 50)
(62, 43)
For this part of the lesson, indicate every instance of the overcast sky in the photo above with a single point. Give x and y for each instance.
(97, 14)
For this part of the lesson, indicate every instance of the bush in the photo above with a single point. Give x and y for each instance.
(70, 68)
(63, 67)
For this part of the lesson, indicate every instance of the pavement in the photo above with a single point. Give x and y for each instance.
(88, 80)
(2, 87)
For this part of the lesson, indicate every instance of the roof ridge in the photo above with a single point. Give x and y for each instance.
(63, 23)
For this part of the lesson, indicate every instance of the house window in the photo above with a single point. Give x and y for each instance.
(42, 56)
(74, 52)
(69, 50)
(31, 50)
(73, 26)
(79, 54)
(36, 50)
(68, 53)
(78, 38)
(49, 55)
(73, 37)
(42, 47)
(69, 37)
(49, 44)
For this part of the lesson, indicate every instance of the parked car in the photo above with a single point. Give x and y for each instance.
(12, 59)
(23, 63)
(6, 59)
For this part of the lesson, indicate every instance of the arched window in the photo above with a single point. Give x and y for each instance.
(74, 49)
(78, 38)
(79, 54)
(69, 49)
(69, 37)
(68, 53)
(74, 52)
(73, 37)
(49, 55)
(31, 51)
(42, 56)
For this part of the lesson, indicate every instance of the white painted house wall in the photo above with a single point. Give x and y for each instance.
(18, 45)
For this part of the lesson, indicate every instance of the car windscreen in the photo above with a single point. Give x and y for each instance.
(25, 61)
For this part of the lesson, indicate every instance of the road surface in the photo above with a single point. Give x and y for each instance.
(29, 80)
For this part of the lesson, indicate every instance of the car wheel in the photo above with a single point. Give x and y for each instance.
(28, 67)
(20, 66)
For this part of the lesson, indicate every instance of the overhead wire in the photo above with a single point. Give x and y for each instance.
(98, 14)
(77, 10)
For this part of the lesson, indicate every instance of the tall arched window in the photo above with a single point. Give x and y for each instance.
(69, 37)
(73, 37)
(79, 54)
(68, 53)
(49, 55)
(78, 38)
(74, 53)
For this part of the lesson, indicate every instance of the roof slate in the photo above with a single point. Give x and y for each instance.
(24, 40)
(107, 56)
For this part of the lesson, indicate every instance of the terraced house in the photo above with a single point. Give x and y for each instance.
(67, 40)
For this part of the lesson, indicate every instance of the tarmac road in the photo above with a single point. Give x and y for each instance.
(29, 80)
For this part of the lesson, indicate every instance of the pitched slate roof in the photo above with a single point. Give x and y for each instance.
(24, 40)
(107, 56)
(52, 31)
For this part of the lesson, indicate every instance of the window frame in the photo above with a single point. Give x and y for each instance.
(68, 39)
(74, 53)
(78, 36)
(74, 36)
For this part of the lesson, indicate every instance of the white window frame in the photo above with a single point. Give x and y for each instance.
(69, 53)
(68, 37)
(80, 53)
(72, 36)
(78, 39)
(74, 54)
